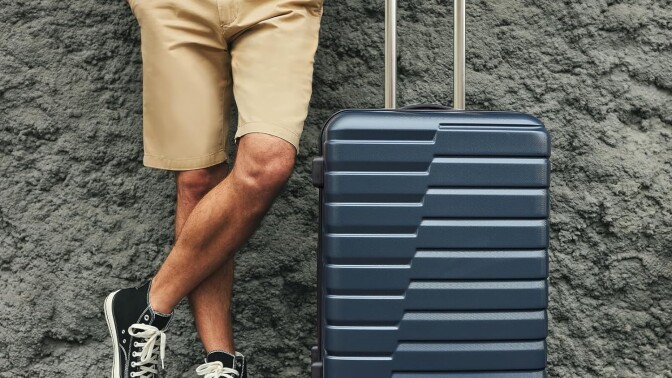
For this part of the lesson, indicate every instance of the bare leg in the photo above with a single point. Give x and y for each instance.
(211, 300)
(211, 306)
(225, 218)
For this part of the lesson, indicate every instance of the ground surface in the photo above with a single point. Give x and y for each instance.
(80, 215)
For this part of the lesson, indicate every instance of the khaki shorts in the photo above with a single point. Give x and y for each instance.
(200, 55)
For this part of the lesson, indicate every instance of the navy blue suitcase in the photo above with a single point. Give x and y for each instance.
(433, 244)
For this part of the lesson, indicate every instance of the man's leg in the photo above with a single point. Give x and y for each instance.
(272, 106)
(225, 218)
(211, 300)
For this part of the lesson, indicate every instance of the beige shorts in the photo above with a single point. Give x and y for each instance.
(200, 55)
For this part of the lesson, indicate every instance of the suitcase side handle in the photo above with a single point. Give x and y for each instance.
(459, 47)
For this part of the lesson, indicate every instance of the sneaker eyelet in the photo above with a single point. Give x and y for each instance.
(135, 344)
(123, 341)
(146, 317)
(133, 364)
(123, 331)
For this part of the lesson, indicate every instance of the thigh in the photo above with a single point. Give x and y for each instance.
(186, 83)
(273, 46)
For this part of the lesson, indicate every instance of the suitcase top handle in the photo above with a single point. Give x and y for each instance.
(391, 55)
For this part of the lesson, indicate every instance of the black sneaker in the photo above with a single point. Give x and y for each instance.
(241, 365)
(219, 364)
(137, 333)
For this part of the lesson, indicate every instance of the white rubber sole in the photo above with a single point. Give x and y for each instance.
(109, 318)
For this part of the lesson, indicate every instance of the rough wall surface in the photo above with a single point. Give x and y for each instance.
(80, 215)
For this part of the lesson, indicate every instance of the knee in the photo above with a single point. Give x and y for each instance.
(267, 173)
(198, 182)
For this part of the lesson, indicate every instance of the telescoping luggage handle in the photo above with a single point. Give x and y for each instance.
(391, 54)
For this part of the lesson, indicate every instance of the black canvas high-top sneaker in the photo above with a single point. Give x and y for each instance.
(137, 333)
(219, 364)
(241, 365)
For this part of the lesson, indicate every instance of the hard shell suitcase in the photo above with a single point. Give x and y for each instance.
(433, 244)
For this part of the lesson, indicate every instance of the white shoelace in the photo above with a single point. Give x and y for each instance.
(148, 354)
(216, 370)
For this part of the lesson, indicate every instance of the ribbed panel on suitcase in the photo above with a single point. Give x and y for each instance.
(433, 238)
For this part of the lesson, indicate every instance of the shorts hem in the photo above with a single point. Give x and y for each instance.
(270, 129)
(162, 162)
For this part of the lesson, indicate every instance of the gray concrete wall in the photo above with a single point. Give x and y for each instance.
(80, 215)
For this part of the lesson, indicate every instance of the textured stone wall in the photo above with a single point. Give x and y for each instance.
(80, 215)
